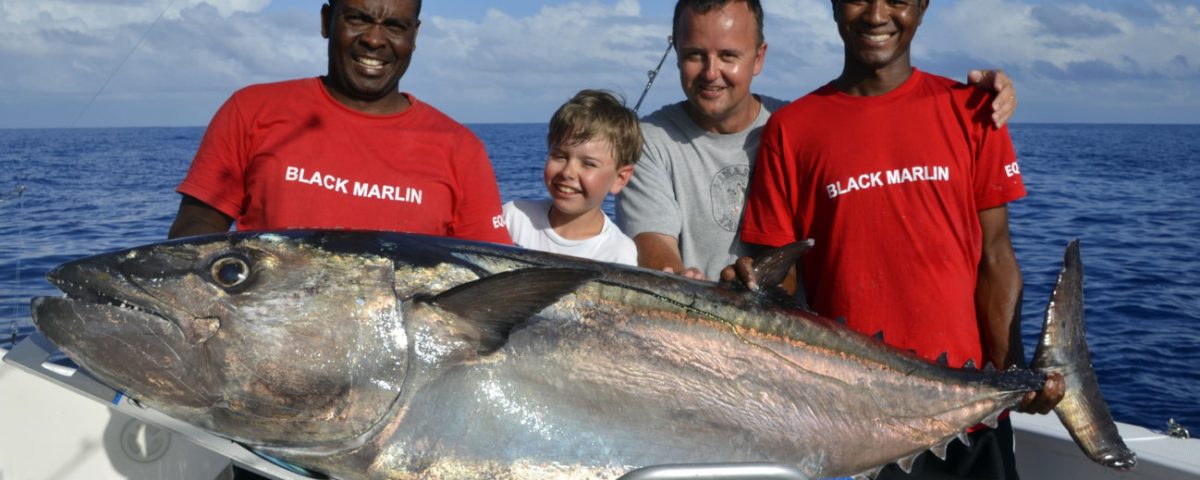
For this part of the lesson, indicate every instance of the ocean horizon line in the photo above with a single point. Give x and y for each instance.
(1023, 123)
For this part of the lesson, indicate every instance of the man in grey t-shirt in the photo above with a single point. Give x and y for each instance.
(683, 206)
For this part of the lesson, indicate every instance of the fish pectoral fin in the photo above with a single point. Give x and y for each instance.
(771, 266)
(496, 304)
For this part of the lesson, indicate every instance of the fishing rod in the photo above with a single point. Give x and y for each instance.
(18, 192)
(654, 73)
(122, 64)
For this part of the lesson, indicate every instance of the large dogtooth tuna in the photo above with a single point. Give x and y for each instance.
(370, 356)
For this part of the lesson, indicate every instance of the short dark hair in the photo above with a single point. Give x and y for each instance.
(332, 3)
(705, 6)
(598, 115)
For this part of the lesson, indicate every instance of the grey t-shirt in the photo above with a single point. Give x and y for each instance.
(691, 184)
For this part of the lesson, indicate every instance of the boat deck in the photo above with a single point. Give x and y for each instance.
(73, 436)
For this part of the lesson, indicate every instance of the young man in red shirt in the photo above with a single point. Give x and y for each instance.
(902, 181)
(347, 150)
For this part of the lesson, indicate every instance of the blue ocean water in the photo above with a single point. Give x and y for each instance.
(1130, 193)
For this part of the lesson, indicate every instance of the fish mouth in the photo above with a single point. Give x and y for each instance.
(94, 284)
(98, 296)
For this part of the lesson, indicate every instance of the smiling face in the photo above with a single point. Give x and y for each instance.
(371, 43)
(579, 175)
(719, 54)
(877, 33)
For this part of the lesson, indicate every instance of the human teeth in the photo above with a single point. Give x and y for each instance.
(370, 62)
(566, 189)
(878, 38)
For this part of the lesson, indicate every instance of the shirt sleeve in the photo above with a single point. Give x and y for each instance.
(217, 174)
(477, 213)
(770, 217)
(647, 203)
(997, 174)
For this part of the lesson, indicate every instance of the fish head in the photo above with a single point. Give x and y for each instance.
(267, 338)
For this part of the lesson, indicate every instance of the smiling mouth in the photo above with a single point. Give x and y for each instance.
(371, 63)
(567, 190)
(877, 37)
(711, 91)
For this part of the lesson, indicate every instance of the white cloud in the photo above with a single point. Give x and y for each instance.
(804, 49)
(59, 53)
(496, 65)
(524, 67)
(1076, 61)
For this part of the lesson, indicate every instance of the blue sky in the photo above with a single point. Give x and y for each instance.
(1111, 61)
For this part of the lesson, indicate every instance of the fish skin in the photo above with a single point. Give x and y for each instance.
(369, 355)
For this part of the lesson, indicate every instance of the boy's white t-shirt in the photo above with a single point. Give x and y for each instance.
(529, 225)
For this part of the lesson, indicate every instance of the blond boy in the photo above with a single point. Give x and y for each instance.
(593, 143)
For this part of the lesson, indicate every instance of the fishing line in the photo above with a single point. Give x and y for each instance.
(17, 193)
(654, 73)
(122, 64)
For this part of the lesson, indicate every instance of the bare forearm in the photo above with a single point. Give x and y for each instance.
(658, 251)
(998, 292)
(197, 218)
(998, 307)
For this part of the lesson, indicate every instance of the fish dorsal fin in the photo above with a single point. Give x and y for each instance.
(869, 474)
(992, 420)
(970, 365)
(943, 360)
(771, 266)
(939, 450)
(906, 463)
(502, 301)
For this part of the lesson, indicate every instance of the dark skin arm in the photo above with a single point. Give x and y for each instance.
(998, 308)
(1005, 99)
(197, 218)
(658, 251)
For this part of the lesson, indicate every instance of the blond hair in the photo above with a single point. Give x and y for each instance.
(598, 115)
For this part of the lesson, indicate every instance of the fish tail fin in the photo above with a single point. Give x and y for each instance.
(1063, 349)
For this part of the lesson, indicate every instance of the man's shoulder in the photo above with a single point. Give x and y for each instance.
(668, 116)
(276, 89)
(938, 81)
(815, 99)
(938, 84)
(974, 101)
(772, 104)
(436, 120)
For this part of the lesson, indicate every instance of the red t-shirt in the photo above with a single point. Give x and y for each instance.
(288, 155)
(890, 188)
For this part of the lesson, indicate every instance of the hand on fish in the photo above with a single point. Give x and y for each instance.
(1043, 401)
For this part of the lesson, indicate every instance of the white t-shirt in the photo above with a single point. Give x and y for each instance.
(529, 224)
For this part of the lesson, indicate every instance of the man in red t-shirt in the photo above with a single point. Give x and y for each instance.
(347, 150)
(903, 184)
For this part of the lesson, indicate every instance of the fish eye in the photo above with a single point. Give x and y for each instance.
(230, 271)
